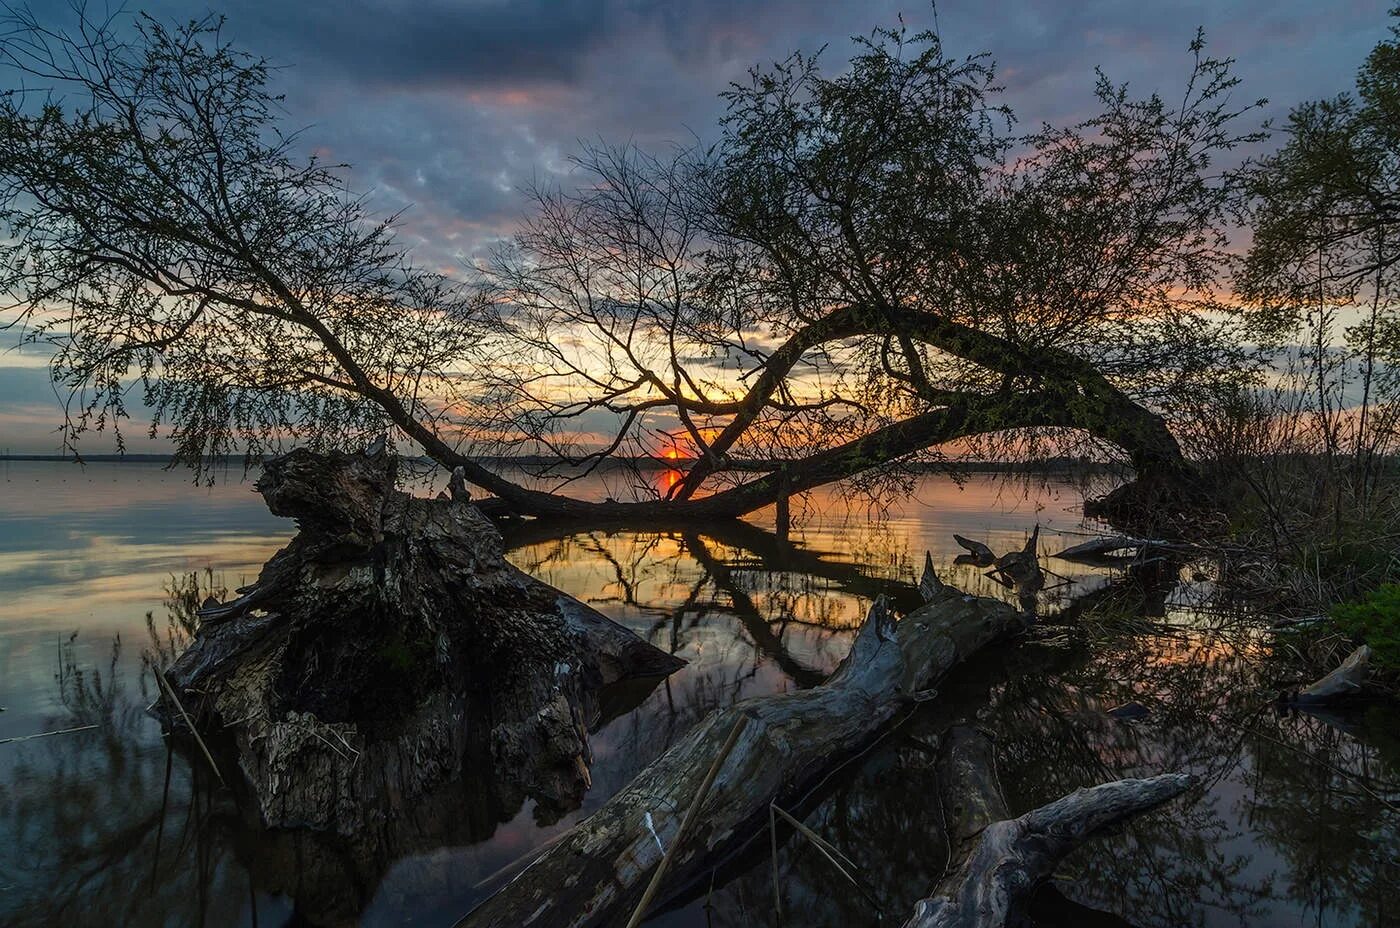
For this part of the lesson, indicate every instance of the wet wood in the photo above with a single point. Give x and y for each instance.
(390, 643)
(1347, 681)
(1095, 548)
(791, 740)
(1005, 859)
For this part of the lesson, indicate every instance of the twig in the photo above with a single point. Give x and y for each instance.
(170, 691)
(690, 815)
(838, 860)
(46, 734)
(773, 848)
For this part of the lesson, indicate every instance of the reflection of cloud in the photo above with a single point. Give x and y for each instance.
(78, 544)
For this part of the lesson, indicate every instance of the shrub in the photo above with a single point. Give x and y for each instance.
(1375, 620)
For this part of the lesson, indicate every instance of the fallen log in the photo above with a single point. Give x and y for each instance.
(1347, 681)
(1108, 549)
(1096, 547)
(1005, 859)
(390, 644)
(595, 875)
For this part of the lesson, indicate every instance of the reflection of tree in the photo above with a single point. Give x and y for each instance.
(1209, 715)
(110, 830)
(1296, 813)
(1319, 795)
(1056, 737)
(1240, 859)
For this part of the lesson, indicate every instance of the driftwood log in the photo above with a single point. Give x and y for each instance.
(596, 874)
(1005, 859)
(1089, 551)
(389, 644)
(1347, 681)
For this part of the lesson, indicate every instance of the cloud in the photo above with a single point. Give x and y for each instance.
(450, 108)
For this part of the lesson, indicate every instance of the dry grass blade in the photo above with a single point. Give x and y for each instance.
(773, 856)
(690, 815)
(844, 865)
(46, 734)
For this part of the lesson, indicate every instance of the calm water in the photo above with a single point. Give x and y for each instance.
(1296, 823)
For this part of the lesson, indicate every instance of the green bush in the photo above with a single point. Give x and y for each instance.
(1376, 621)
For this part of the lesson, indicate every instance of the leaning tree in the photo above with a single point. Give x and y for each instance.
(863, 269)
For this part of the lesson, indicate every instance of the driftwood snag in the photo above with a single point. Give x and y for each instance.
(1347, 681)
(791, 740)
(390, 643)
(1005, 859)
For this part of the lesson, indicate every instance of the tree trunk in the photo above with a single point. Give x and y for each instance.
(596, 874)
(1057, 389)
(389, 644)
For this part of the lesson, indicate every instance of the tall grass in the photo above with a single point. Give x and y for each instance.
(1302, 461)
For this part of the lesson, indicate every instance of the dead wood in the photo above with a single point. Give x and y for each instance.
(791, 740)
(1347, 681)
(1005, 859)
(389, 643)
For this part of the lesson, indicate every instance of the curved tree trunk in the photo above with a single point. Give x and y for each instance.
(389, 644)
(1053, 389)
(1154, 450)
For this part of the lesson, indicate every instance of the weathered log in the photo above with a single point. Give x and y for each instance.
(791, 741)
(1107, 544)
(389, 643)
(1347, 681)
(1005, 859)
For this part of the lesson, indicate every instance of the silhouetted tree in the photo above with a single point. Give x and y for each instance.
(1326, 250)
(864, 268)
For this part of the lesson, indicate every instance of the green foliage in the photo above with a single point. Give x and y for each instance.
(1327, 210)
(1376, 621)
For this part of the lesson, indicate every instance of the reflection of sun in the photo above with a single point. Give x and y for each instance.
(669, 478)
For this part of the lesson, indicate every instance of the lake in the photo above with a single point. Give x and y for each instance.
(1296, 820)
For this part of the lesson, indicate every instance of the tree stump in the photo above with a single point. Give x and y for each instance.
(389, 644)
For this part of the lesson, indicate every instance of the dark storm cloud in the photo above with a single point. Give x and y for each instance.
(415, 44)
(452, 107)
(484, 43)
(449, 107)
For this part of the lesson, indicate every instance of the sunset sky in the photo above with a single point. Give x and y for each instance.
(448, 108)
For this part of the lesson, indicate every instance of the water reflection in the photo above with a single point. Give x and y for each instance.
(1296, 821)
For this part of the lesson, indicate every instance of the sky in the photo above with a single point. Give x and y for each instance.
(448, 108)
